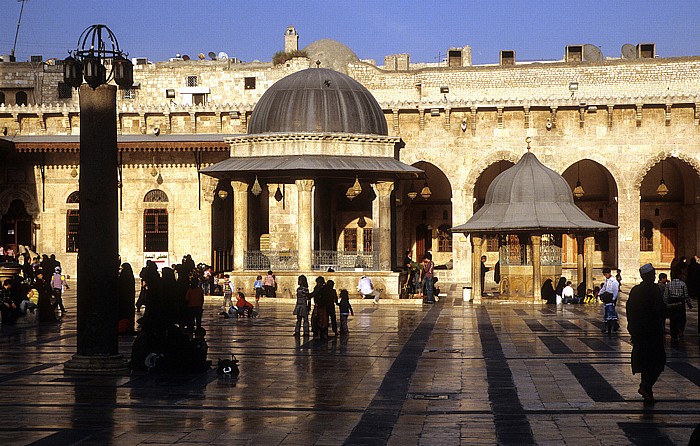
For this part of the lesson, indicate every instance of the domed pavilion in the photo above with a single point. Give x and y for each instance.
(529, 206)
(311, 186)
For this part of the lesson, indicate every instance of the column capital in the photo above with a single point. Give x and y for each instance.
(239, 186)
(383, 187)
(304, 185)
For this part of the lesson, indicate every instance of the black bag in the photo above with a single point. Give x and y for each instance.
(228, 367)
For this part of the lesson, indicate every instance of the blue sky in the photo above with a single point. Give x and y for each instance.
(253, 29)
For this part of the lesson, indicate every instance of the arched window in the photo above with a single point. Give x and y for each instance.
(646, 235)
(444, 238)
(2, 97)
(72, 222)
(155, 196)
(155, 223)
(21, 98)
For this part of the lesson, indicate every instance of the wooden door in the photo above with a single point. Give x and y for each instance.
(669, 240)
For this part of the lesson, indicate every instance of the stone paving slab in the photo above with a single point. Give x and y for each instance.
(453, 373)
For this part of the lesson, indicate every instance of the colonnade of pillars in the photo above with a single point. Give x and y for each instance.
(381, 213)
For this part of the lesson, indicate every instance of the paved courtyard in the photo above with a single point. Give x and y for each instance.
(453, 373)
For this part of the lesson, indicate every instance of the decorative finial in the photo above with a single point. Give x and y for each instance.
(527, 140)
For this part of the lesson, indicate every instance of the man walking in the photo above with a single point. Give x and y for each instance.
(645, 318)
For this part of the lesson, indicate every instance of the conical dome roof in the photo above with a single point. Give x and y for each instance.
(530, 197)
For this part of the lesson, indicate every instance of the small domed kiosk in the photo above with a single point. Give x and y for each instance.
(312, 182)
(529, 206)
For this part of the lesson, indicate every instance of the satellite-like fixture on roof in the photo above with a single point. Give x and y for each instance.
(629, 51)
(185, 57)
(592, 53)
(222, 55)
(212, 55)
(201, 56)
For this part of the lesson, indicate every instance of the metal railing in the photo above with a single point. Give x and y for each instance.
(271, 260)
(345, 260)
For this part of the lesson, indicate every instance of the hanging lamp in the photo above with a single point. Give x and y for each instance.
(412, 194)
(662, 189)
(578, 190)
(256, 189)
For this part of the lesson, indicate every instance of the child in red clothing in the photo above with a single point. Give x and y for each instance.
(245, 308)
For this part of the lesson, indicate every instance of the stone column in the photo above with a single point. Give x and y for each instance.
(476, 268)
(240, 223)
(589, 246)
(536, 241)
(461, 249)
(629, 215)
(383, 191)
(579, 261)
(305, 223)
(98, 262)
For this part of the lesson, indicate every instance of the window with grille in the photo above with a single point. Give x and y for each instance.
(192, 81)
(350, 239)
(128, 93)
(367, 239)
(444, 239)
(492, 244)
(602, 241)
(155, 230)
(72, 224)
(249, 83)
(646, 236)
(65, 91)
(73, 198)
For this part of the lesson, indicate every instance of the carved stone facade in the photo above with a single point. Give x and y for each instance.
(617, 126)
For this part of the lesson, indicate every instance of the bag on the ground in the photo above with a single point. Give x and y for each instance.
(228, 367)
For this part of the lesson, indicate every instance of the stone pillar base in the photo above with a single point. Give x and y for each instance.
(96, 365)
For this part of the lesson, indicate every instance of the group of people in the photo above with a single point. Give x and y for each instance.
(172, 337)
(420, 278)
(38, 288)
(323, 314)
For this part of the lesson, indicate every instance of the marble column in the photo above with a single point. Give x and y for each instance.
(579, 261)
(536, 241)
(383, 191)
(304, 223)
(240, 223)
(98, 262)
(589, 246)
(476, 268)
(629, 215)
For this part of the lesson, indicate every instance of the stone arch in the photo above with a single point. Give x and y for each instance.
(484, 163)
(13, 193)
(654, 160)
(571, 171)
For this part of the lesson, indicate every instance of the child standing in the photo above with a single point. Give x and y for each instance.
(259, 290)
(345, 311)
(228, 292)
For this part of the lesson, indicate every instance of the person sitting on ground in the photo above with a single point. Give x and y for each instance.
(366, 288)
(567, 294)
(243, 307)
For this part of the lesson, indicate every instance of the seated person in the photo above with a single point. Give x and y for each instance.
(243, 307)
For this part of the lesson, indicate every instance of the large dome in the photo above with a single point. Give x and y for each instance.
(331, 53)
(317, 100)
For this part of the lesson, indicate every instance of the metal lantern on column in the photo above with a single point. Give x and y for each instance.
(97, 46)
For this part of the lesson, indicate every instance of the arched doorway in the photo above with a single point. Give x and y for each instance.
(16, 226)
(595, 193)
(427, 207)
(669, 205)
